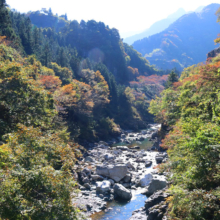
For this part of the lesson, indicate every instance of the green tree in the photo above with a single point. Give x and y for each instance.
(172, 78)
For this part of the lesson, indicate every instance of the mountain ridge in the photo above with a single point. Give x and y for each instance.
(185, 42)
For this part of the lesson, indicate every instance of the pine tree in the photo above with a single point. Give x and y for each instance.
(172, 78)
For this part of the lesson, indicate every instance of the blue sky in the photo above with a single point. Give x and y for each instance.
(124, 15)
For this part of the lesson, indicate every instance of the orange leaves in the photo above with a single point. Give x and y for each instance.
(132, 71)
(50, 82)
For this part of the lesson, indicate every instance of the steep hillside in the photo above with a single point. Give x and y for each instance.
(95, 68)
(184, 43)
(157, 27)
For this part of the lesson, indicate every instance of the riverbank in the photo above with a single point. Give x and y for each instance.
(118, 175)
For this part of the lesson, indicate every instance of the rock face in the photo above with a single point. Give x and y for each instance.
(156, 184)
(103, 187)
(213, 53)
(115, 172)
(121, 192)
(155, 199)
(156, 206)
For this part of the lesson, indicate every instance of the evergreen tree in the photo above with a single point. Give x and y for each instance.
(172, 78)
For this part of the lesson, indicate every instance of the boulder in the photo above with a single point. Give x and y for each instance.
(89, 159)
(159, 159)
(109, 156)
(130, 165)
(85, 180)
(124, 148)
(116, 172)
(127, 178)
(148, 163)
(97, 177)
(121, 192)
(87, 172)
(141, 139)
(123, 135)
(155, 199)
(139, 214)
(145, 179)
(103, 187)
(156, 184)
(135, 148)
(87, 186)
(154, 135)
(157, 212)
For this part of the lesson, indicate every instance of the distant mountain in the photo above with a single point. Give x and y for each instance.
(199, 9)
(184, 43)
(156, 27)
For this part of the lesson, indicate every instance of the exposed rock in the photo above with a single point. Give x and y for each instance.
(109, 156)
(121, 192)
(157, 212)
(87, 172)
(103, 146)
(130, 165)
(139, 214)
(89, 159)
(145, 179)
(115, 172)
(148, 163)
(154, 135)
(123, 148)
(85, 180)
(111, 181)
(87, 186)
(123, 135)
(156, 184)
(103, 187)
(159, 159)
(97, 177)
(127, 178)
(135, 147)
(126, 185)
(213, 53)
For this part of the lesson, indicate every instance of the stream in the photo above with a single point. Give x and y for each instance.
(119, 210)
(136, 151)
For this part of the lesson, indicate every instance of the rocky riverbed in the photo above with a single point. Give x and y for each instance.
(117, 173)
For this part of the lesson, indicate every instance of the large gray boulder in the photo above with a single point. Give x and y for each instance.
(115, 172)
(121, 192)
(145, 179)
(103, 187)
(156, 184)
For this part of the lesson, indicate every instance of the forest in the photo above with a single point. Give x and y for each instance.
(189, 112)
(64, 84)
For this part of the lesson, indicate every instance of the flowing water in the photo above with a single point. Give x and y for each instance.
(121, 210)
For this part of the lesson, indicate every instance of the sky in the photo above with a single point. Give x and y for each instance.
(128, 16)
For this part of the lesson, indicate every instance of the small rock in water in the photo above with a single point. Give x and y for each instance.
(148, 163)
(121, 192)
